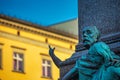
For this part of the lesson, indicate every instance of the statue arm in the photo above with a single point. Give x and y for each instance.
(72, 72)
(108, 55)
(55, 59)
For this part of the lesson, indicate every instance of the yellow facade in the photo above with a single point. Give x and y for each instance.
(33, 43)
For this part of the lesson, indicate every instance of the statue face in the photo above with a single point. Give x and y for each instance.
(89, 36)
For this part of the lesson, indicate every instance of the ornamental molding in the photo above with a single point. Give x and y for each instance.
(35, 29)
(32, 42)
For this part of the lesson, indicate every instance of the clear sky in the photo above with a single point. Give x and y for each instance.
(42, 12)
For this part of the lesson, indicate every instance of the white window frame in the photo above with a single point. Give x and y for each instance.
(46, 65)
(18, 59)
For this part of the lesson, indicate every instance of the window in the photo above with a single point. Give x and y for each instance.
(0, 58)
(18, 59)
(46, 68)
(18, 62)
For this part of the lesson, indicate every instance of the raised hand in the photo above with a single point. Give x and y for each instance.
(55, 59)
(51, 50)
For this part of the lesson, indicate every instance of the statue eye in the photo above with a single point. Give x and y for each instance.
(88, 31)
(83, 32)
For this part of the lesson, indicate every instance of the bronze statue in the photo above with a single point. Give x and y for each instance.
(100, 63)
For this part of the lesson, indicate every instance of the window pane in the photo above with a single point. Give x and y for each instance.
(48, 62)
(15, 64)
(43, 60)
(20, 66)
(43, 71)
(21, 56)
(49, 71)
(15, 54)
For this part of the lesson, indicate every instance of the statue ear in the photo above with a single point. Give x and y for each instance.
(98, 37)
(95, 36)
(97, 32)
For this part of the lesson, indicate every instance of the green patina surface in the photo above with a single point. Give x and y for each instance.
(100, 63)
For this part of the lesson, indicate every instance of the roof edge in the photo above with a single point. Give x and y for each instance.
(38, 26)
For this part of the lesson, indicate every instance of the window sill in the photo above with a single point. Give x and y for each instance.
(47, 77)
(19, 71)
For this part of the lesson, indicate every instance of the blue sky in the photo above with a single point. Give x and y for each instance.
(42, 12)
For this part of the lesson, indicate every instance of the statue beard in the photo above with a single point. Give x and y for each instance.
(88, 42)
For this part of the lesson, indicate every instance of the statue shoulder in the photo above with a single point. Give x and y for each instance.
(103, 50)
(101, 47)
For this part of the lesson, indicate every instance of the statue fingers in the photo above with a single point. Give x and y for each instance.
(54, 48)
(49, 46)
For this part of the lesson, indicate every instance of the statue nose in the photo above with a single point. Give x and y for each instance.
(84, 35)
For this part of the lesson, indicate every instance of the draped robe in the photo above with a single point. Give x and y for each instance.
(96, 64)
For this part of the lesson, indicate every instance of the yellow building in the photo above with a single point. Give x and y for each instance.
(24, 50)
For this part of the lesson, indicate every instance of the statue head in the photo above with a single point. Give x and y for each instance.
(90, 35)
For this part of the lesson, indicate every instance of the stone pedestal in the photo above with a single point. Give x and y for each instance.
(101, 13)
(105, 15)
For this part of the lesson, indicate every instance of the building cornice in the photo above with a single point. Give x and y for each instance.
(32, 42)
(11, 22)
